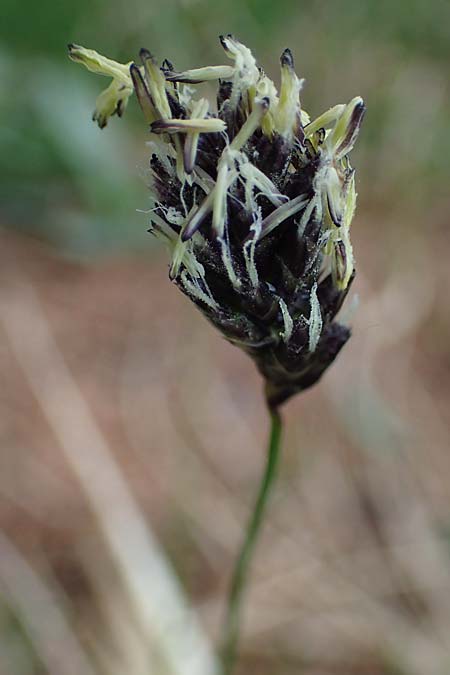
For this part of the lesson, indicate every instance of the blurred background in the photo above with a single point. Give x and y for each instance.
(132, 435)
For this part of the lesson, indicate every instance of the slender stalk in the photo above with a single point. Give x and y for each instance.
(240, 573)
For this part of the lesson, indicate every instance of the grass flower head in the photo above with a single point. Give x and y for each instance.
(254, 201)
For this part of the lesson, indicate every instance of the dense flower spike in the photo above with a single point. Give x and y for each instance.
(254, 200)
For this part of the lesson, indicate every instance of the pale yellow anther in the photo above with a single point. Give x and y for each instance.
(199, 111)
(143, 94)
(206, 74)
(287, 115)
(114, 99)
(265, 89)
(197, 126)
(253, 122)
(342, 261)
(333, 194)
(156, 83)
(246, 72)
(342, 132)
(97, 63)
(220, 198)
(325, 120)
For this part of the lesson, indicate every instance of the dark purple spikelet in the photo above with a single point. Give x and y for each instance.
(255, 202)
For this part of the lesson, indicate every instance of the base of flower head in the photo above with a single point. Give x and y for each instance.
(281, 385)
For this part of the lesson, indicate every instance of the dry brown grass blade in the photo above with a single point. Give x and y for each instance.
(32, 599)
(159, 605)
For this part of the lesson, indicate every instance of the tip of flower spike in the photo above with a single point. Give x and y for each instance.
(223, 40)
(287, 59)
(358, 111)
(74, 51)
(79, 54)
(145, 54)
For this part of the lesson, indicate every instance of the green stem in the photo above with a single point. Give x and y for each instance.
(239, 579)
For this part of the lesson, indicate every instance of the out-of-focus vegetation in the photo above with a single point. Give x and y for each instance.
(131, 434)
